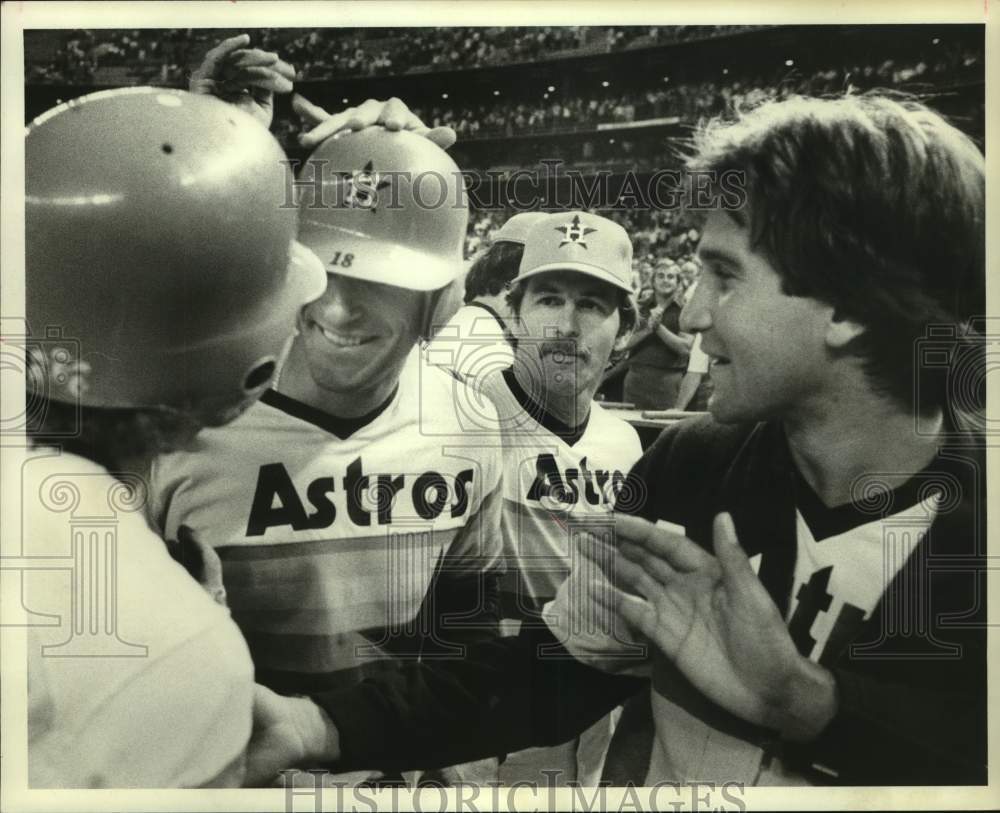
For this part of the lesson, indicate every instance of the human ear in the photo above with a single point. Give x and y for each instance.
(841, 331)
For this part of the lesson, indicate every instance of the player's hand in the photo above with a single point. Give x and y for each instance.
(245, 77)
(199, 560)
(392, 114)
(288, 732)
(713, 618)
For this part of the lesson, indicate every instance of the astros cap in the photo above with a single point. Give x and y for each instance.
(517, 228)
(578, 241)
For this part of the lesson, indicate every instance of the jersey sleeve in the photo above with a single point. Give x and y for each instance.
(183, 720)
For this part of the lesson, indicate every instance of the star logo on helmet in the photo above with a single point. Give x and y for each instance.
(574, 232)
(363, 187)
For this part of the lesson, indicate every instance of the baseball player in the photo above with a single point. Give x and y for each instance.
(482, 321)
(354, 521)
(477, 334)
(163, 280)
(565, 457)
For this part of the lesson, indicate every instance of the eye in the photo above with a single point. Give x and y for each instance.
(722, 275)
(594, 305)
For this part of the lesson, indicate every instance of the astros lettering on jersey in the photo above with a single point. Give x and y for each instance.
(329, 545)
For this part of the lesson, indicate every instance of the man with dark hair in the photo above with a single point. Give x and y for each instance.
(825, 640)
(478, 333)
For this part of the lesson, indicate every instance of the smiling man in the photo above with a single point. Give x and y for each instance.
(825, 641)
(351, 518)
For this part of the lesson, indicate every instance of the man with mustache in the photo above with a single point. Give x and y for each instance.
(565, 458)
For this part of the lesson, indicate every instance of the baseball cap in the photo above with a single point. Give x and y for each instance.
(515, 229)
(578, 241)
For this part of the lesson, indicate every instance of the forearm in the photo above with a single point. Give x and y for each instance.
(461, 608)
(689, 386)
(679, 343)
(504, 695)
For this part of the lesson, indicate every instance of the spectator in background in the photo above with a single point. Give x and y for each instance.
(658, 349)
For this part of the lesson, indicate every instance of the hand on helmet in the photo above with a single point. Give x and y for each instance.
(392, 114)
(245, 77)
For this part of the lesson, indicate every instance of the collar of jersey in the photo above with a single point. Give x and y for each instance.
(825, 521)
(569, 434)
(342, 428)
(491, 312)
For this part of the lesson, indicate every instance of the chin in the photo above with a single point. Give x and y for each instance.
(724, 412)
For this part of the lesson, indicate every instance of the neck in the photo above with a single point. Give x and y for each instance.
(863, 435)
(570, 409)
(297, 382)
(664, 299)
(139, 465)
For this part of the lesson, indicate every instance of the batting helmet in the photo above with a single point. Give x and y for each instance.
(516, 229)
(384, 207)
(161, 253)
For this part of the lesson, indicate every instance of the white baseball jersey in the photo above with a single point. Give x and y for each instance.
(556, 483)
(329, 543)
(473, 342)
(136, 678)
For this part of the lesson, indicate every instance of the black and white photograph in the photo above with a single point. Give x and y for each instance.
(473, 406)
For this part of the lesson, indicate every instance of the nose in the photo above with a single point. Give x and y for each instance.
(696, 316)
(337, 306)
(567, 321)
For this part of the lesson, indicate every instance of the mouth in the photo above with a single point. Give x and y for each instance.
(715, 359)
(343, 340)
(565, 355)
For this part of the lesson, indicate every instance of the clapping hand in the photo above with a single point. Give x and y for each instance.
(711, 616)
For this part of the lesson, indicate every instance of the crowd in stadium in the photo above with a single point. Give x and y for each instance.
(688, 100)
(370, 52)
